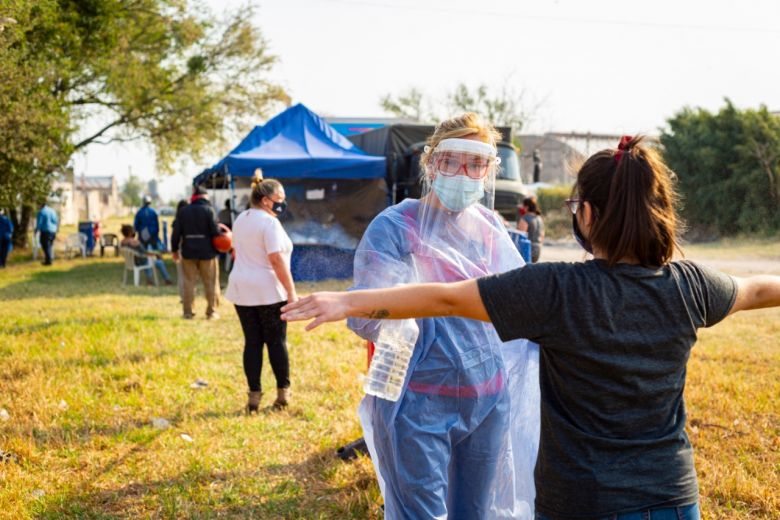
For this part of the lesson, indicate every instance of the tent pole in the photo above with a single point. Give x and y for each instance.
(232, 198)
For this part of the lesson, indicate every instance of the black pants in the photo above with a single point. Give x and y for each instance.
(5, 247)
(263, 324)
(47, 242)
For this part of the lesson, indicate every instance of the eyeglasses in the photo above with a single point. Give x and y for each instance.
(573, 205)
(453, 163)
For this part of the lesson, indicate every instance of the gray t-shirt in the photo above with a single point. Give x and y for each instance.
(535, 227)
(614, 347)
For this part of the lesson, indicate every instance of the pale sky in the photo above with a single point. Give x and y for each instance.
(597, 65)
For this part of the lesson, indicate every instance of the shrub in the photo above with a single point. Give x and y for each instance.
(728, 166)
(551, 199)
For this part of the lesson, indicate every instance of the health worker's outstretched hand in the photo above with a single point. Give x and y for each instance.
(321, 306)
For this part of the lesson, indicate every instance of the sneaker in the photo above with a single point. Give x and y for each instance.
(213, 316)
(187, 316)
(168, 282)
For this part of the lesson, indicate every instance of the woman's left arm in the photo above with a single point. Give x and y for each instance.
(408, 301)
(282, 271)
(756, 292)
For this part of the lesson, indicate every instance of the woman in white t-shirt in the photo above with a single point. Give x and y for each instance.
(260, 284)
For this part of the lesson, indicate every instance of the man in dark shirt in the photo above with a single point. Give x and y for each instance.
(195, 226)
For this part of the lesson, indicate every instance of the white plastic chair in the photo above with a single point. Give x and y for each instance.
(130, 255)
(76, 242)
(36, 245)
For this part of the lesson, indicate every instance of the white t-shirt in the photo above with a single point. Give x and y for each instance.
(256, 234)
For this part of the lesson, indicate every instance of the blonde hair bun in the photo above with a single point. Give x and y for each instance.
(257, 178)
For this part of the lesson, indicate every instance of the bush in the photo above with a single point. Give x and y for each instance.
(728, 166)
(557, 219)
(551, 199)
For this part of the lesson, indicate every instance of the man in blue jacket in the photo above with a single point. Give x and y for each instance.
(147, 225)
(47, 225)
(6, 234)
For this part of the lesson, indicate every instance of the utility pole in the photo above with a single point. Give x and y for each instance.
(85, 194)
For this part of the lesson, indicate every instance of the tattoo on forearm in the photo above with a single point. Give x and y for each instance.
(378, 314)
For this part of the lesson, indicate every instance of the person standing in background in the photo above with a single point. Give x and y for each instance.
(196, 226)
(260, 284)
(6, 237)
(147, 224)
(224, 216)
(47, 225)
(532, 224)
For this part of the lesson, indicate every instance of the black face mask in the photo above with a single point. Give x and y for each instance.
(279, 207)
(581, 240)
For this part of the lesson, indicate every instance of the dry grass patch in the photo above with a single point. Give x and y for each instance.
(86, 365)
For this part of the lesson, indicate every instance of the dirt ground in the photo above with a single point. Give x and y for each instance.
(570, 251)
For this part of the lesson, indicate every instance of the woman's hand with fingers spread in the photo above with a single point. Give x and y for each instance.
(321, 307)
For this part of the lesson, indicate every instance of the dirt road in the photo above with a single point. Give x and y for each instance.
(570, 251)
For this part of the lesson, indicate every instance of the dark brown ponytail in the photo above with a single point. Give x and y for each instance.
(633, 198)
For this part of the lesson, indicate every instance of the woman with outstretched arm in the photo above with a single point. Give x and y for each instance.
(615, 335)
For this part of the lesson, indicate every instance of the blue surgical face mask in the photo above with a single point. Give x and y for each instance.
(458, 192)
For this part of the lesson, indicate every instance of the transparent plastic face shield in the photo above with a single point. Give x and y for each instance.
(461, 161)
(458, 188)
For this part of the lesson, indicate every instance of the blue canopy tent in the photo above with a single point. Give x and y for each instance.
(297, 144)
(333, 188)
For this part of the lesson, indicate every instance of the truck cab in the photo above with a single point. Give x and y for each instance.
(510, 191)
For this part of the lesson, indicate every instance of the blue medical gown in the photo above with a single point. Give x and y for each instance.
(461, 440)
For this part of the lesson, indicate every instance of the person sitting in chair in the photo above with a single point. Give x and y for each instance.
(129, 241)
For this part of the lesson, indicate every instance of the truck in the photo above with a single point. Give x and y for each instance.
(402, 144)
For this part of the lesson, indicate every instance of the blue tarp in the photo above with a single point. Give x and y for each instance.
(297, 144)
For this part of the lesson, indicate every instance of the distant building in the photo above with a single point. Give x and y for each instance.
(63, 199)
(87, 198)
(559, 160)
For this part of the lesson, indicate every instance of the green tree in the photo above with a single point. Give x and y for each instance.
(122, 70)
(503, 108)
(132, 191)
(408, 105)
(728, 165)
(34, 127)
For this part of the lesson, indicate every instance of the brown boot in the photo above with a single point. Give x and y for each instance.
(254, 402)
(281, 398)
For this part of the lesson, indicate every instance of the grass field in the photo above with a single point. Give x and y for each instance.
(86, 365)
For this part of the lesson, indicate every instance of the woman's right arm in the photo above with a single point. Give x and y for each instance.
(756, 292)
(408, 301)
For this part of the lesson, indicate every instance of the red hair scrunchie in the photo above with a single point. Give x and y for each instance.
(622, 146)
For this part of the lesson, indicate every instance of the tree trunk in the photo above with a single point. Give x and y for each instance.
(21, 223)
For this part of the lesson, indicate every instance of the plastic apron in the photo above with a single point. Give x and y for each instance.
(461, 441)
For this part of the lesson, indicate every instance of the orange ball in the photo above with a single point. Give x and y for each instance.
(224, 241)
